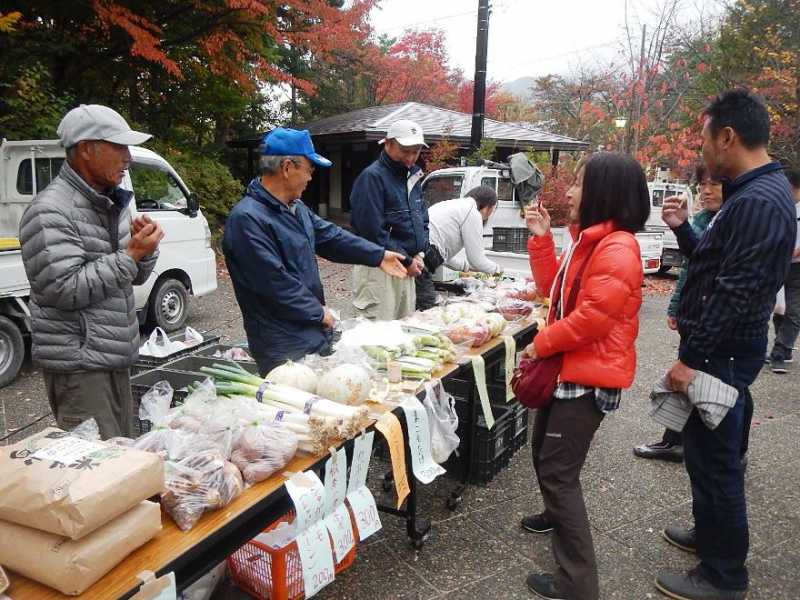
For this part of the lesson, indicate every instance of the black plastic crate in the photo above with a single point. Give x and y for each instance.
(193, 364)
(145, 363)
(141, 383)
(510, 239)
(517, 436)
(460, 388)
(210, 350)
(491, 453)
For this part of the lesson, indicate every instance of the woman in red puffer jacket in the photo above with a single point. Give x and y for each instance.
(608, 203)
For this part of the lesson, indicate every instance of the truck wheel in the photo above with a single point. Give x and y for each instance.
(169, 305)
(664, 269)
(12, 351)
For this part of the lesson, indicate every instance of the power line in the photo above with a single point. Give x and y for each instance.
(429, 21)
(563, 54)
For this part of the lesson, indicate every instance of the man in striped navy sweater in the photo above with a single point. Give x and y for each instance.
(735, 270)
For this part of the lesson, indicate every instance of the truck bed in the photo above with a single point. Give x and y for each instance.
(13, 281)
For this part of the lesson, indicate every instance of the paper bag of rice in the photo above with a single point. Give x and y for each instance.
(71, 566)
(64, 485)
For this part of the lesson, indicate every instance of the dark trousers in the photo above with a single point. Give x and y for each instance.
(713, 461)
(561, 437)
(103, 395)
(787, 326)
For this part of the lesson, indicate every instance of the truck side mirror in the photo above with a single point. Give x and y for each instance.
(192, 205)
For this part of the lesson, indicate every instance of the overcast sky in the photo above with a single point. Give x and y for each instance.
(528, 37)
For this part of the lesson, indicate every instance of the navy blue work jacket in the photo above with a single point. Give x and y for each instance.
(387, 206)
(270, 254)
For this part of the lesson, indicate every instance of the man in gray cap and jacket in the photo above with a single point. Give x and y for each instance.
(83, 253)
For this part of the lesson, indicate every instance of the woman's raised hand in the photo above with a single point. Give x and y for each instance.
(538, 220)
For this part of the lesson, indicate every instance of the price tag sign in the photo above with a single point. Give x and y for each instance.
(419, 441)
(316, 558)
(335, 480)
(479, 369)
(390, 427)
(340, 526)
(308, 495)
(511, 355)
(68, 450)
(362, 452)
(366, 513)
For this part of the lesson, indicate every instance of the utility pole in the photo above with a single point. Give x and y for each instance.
(479, 87)
(641, 82)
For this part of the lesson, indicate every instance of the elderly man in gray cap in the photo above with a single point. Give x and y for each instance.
(83, 253)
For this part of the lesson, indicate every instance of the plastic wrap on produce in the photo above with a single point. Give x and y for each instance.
(262, 449)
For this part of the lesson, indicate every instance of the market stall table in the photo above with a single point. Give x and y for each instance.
(190, 554)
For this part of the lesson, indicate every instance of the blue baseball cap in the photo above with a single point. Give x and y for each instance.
(292, 142)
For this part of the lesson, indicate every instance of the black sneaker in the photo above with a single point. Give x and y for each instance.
(544, 586)
(779, 366)
(660, 451)
(693, 586)
(537, 524)
(681, 537)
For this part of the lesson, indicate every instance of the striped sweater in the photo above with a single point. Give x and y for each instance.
(737, 267)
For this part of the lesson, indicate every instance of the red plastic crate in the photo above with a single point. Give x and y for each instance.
(275, 574)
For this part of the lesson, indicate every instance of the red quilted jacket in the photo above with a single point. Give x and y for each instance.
(598, 337)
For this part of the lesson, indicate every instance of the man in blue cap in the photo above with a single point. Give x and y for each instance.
(271, 241)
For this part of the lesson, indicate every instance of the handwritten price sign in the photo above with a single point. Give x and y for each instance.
(419, 441)
(389, 426)
(335, 480)
(308, 495)
(316, 558)
(365, 512)
(362, 451)
(340, 527)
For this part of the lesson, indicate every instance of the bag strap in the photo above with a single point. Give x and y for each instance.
(576, 284)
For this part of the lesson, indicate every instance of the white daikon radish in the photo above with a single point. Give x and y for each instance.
(346, 384)
(294, 375)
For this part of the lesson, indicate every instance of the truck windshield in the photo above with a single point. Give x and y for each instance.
(156, 189)
(442, 187)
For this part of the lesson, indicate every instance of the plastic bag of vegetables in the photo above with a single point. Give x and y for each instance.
(200, 482)
(262, 449)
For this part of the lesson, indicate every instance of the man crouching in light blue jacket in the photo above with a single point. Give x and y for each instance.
(271, 241)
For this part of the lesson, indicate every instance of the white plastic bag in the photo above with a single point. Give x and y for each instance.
(442, 420)
(158, 345)
(192, 337)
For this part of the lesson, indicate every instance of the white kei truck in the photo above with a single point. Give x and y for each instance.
(506, 235)
(186, 264)
(662, 188)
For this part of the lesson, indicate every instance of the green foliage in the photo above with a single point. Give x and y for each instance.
(33, 108)
(486, 151)
(213, 183)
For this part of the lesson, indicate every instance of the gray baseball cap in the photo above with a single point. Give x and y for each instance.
(97, 122)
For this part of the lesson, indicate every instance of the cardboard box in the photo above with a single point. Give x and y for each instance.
(67, 486)
(72, 566)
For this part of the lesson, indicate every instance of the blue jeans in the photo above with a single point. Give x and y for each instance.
(713, 460)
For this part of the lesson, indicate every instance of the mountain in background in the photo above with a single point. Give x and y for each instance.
(519, 87)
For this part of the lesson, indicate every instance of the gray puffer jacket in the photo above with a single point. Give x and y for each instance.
(82, 305)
